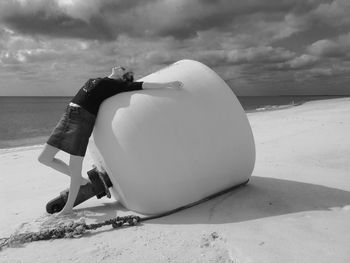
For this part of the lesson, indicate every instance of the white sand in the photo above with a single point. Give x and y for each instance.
(296, 208)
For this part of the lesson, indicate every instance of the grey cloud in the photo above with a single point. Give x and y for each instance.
(326, 18)
(226, 14)
(236, 38)
(327, 74)
(52, 19)
(326, 48)
(305, 61)
(60, 25)
(10, 58)
(40, 55)
(334, 13)
(340, 71)
(254, 55)
(105, 20)
(265, 54)
(332, 48)
(160, 57)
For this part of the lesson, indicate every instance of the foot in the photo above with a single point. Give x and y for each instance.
(64, 212)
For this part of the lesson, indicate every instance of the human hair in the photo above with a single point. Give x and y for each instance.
(128, 76)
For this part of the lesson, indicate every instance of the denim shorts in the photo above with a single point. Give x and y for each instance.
(73, 131)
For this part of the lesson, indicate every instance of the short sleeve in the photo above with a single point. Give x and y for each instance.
(112, 87)
(137, 85)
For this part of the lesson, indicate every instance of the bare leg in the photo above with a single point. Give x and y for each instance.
(75, 167)
(47, 157)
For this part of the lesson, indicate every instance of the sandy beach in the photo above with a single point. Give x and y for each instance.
(296, 207)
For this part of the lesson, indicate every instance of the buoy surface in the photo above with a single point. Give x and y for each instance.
(165, 148)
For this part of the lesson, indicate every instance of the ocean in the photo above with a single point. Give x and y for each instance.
(28, 121)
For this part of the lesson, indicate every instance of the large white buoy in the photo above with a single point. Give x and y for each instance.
(165, 148)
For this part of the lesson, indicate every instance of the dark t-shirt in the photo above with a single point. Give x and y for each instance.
(95, 91)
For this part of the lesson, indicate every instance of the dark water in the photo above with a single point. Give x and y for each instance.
(29, 120)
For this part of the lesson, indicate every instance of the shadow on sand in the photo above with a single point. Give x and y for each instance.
(261, 197)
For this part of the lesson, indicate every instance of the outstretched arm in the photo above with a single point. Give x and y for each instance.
(160, 85)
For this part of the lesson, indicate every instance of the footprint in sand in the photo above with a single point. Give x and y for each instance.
(214, 249)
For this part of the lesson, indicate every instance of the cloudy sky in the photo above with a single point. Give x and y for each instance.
(259, 47)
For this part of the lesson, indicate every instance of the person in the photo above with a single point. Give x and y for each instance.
(73, 130)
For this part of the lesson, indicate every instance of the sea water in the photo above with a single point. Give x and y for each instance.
(28, 121)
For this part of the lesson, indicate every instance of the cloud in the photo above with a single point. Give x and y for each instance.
(332, 48)
(51, 19)
(160, 57)
(304, 61)
(339, 71)
(253, 55)
(325, 48)
(253, 43)
(66, 18)
(107, 19)
(262, 55)
(332, 16)
(28, 56)
(16, 49)
(335, 13)
(335, 76)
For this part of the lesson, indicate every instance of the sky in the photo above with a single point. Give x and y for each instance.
(259, 47)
